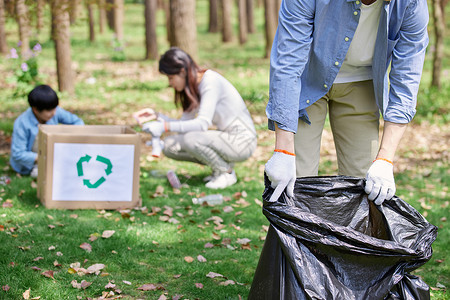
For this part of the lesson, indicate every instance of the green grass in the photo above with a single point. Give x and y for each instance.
(146, 249)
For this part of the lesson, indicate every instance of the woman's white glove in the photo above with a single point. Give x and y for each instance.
(155, 128)
(380, 184)
(280, 170)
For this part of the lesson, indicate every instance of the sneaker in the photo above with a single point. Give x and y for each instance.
(222, 181)
(211, 177)
(34, 172)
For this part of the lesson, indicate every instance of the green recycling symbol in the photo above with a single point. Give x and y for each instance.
(102, 179)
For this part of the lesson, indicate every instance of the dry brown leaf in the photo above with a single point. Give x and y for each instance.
(26, 294)
(38, 258)
(107, 234)
(85, 284)
(95, 268)
(110, 285)
(86, 246)
(243, 241)
(48, 273)
(228, 209)
(189, 259)
(216, 236)
(213, 275)
(147, 287)
(162, 297)
(5, 288)
(198, 285)
(126, 282)
(201, 258)
(227, 282)
(36, 268)
(209, 245)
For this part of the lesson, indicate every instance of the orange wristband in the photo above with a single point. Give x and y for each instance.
(379, 158)
(166, 126)
(284, 151)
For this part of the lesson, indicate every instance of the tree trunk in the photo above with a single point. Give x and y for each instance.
(439, 30)
(250, 19)
(183, 26)
(40, 5)
(73, 10)
(166, 4)
(3, 43)
(110, 13)
(90, 10)
(61, 25)
(118, 18)
(151, 45)
(227, 27)
(101, 15)
(270, 25)
(243, 30)
(213, 20)
(24, 27)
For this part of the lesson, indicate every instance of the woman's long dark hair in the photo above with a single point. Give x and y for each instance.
(171, 63)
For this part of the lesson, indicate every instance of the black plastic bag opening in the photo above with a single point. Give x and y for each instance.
(331, 242)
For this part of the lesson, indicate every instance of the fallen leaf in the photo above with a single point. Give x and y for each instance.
(85, 284)
(110, 285)
(26, 294)
(51, 226)
(209, 245)
(50, 217)
(59, 253)
(86, 246)
(94, 236)
(198, 285)
(188, 259)
(107, 234)
(227, 282)
(74, 216)
(147, 287)
(126, 282)
(228, 209)
(177, 276)
(162, 297)
(75, 284)
(243, 241)
(216, 236)
(95, 268)
(213, 275)
(57, 264)
(5, 288)
(48, 273)
(36, 268)
(51, 248)
(258, 202)
(38, 258)
(201, 258)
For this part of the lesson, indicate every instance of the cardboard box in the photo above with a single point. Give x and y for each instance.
(92, 166)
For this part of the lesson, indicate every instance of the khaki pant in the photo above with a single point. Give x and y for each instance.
(354, 120)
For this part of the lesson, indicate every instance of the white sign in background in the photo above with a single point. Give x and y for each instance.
(115, 186)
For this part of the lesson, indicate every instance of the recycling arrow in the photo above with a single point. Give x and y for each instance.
(85, 158)
(107, 162)
(87, 183)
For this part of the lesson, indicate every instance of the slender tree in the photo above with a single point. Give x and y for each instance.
(270, 25)
(101, 15)
(73, 10)
(61, 30)
(243, 30)
(250, 19)
(40, 5)
(151, 45)
(118, 18)
(110, 13)
(439, 33)
(213, 17)
(227, 28)
(183, 26)
(90, 10)
(24, 26)
(3, 43)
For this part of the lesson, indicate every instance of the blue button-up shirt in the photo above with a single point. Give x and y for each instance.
(311, 43)
(24, 133)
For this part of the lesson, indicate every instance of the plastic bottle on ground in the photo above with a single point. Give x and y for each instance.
(213, 199)
(173, 179)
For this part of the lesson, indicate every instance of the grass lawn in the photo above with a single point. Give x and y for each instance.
(170, 248)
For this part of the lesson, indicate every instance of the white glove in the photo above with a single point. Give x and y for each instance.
(380, 184)
(155, 128)
(280, 170)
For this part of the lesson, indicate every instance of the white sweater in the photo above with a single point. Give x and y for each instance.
(220, 105)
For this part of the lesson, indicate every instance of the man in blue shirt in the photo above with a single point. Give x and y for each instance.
(43, 109)
(353, 59)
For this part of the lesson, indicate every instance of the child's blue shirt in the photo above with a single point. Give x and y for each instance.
(24, 134)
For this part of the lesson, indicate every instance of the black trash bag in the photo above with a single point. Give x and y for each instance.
(331, 242)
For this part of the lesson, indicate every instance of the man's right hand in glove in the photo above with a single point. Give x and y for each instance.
(280, 168)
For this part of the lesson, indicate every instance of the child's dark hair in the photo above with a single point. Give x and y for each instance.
(43, 97)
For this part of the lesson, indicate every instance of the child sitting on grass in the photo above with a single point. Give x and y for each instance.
(43, 109)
